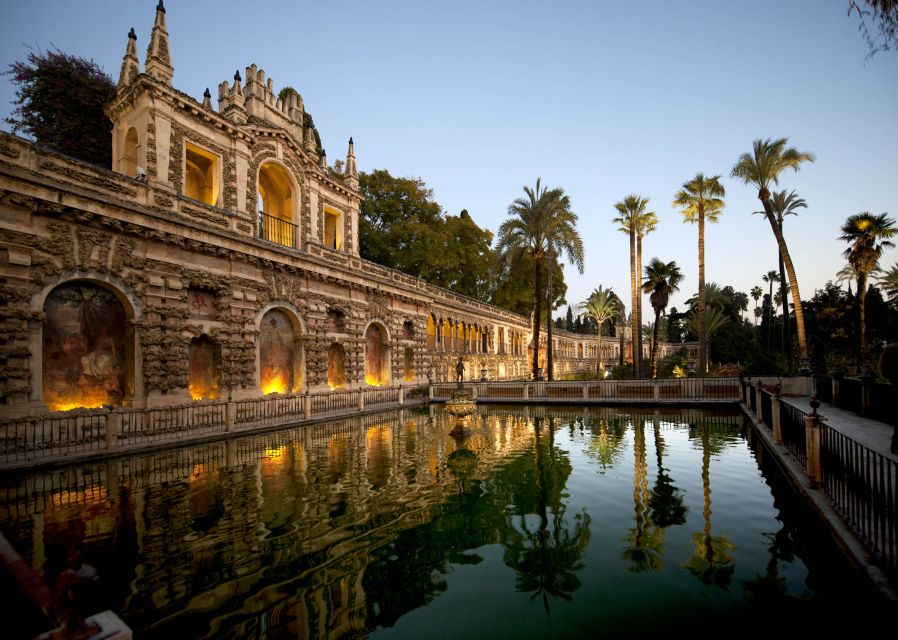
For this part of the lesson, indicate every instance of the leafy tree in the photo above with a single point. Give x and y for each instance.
(402, 227)
(512, 286)
(563, 239)
(883, 15)
(635, 221)
(662, 279)
(715, 320)
(602, 305)
(762, 168)
(60, 101)
(699, 198)
(569, 319)
(888, 280)
(539, 224)
(869, 236)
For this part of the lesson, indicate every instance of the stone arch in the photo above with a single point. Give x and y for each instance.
(431, 331)
(281, 352)
(278, 200)
(127, 163)
(87, 345)
(204, 368)
(377, 354)
(336, 366)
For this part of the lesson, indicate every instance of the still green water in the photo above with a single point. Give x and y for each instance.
(541, 522)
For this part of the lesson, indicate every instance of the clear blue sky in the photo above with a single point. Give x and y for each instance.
(601, 98)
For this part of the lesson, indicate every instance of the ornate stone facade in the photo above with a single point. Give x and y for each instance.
(209, 221)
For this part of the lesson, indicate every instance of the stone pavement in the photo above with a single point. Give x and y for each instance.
(872, 434)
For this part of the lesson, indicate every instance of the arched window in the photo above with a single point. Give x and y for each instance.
(128, 160)
(87, 351)
(333, 229)
(431, 333)
(204, 376)
(336, 372)
(377, 356)
(279, 354)
(276, 206)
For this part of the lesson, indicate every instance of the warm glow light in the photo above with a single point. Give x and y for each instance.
(276, 383)
(200, 391)
(85, 398)
(371, 380)
(275, 454)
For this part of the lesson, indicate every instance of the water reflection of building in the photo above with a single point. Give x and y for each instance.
(278, 526)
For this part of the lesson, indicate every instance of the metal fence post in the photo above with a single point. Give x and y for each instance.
(813, 433)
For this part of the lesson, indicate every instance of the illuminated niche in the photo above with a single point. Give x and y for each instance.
(377, 360)
(204, 374)
(280, 354)
(201, 180)
(336, 372)
(87, 353)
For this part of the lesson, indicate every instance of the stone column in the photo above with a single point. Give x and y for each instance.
(401, 395)
(656, 390)
(813, 436)
(867, 380)
(307, 406)
(758, 412)
(230, 416)
(775, 416)
(361, 399)
(837, 376)
(113, 428)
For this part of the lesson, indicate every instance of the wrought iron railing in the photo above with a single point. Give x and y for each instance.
(279, 231)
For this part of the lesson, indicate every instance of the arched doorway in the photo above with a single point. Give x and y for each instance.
(377, 356)
(87, 348)
(204, 374)
(409, 364)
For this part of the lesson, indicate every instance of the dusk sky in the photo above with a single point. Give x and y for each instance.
(603, 99)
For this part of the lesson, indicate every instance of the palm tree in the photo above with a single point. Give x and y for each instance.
(889, 282)
(648, 222)
(561, 238)
(762, 168)
(699, 198)
(864, 230)
(633, 214)
(785, 204)
(602, 305)
(756, 293)
(715, 319)
(661, 280)
(770, 277)
(525, 232)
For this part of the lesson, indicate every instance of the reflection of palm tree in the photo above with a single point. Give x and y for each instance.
(710, 562)
(606, 444)
(646, 542)
(666, 501)
(547, 561)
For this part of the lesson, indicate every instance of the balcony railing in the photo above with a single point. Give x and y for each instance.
(278, 231)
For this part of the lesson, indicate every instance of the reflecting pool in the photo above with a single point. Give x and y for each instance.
(540, 522)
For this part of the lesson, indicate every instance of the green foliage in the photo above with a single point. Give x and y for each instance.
(512, 286)
(402, 227)
(668, 363)
(59, 102)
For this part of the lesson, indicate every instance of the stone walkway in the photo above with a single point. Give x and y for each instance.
(871, 433)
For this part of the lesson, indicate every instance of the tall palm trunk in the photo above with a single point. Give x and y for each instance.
(634, 314)
(702, 325)
(599, 352)
(639, 304)
(537, 309)
(549, 349)
(787, 329)
(655, 346)
(764, 196)
(862, 323)
(770, 318)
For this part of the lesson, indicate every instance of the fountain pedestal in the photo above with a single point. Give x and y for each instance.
(460, 404)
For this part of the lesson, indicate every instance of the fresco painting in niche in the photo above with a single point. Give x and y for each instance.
(336, 373)
(205, 369)
(276, 353)
(374, 356)
(84, 347)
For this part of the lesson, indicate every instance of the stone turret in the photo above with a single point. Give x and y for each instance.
(130, 62)
(158, 61)
(231, 100)
(350, 171)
